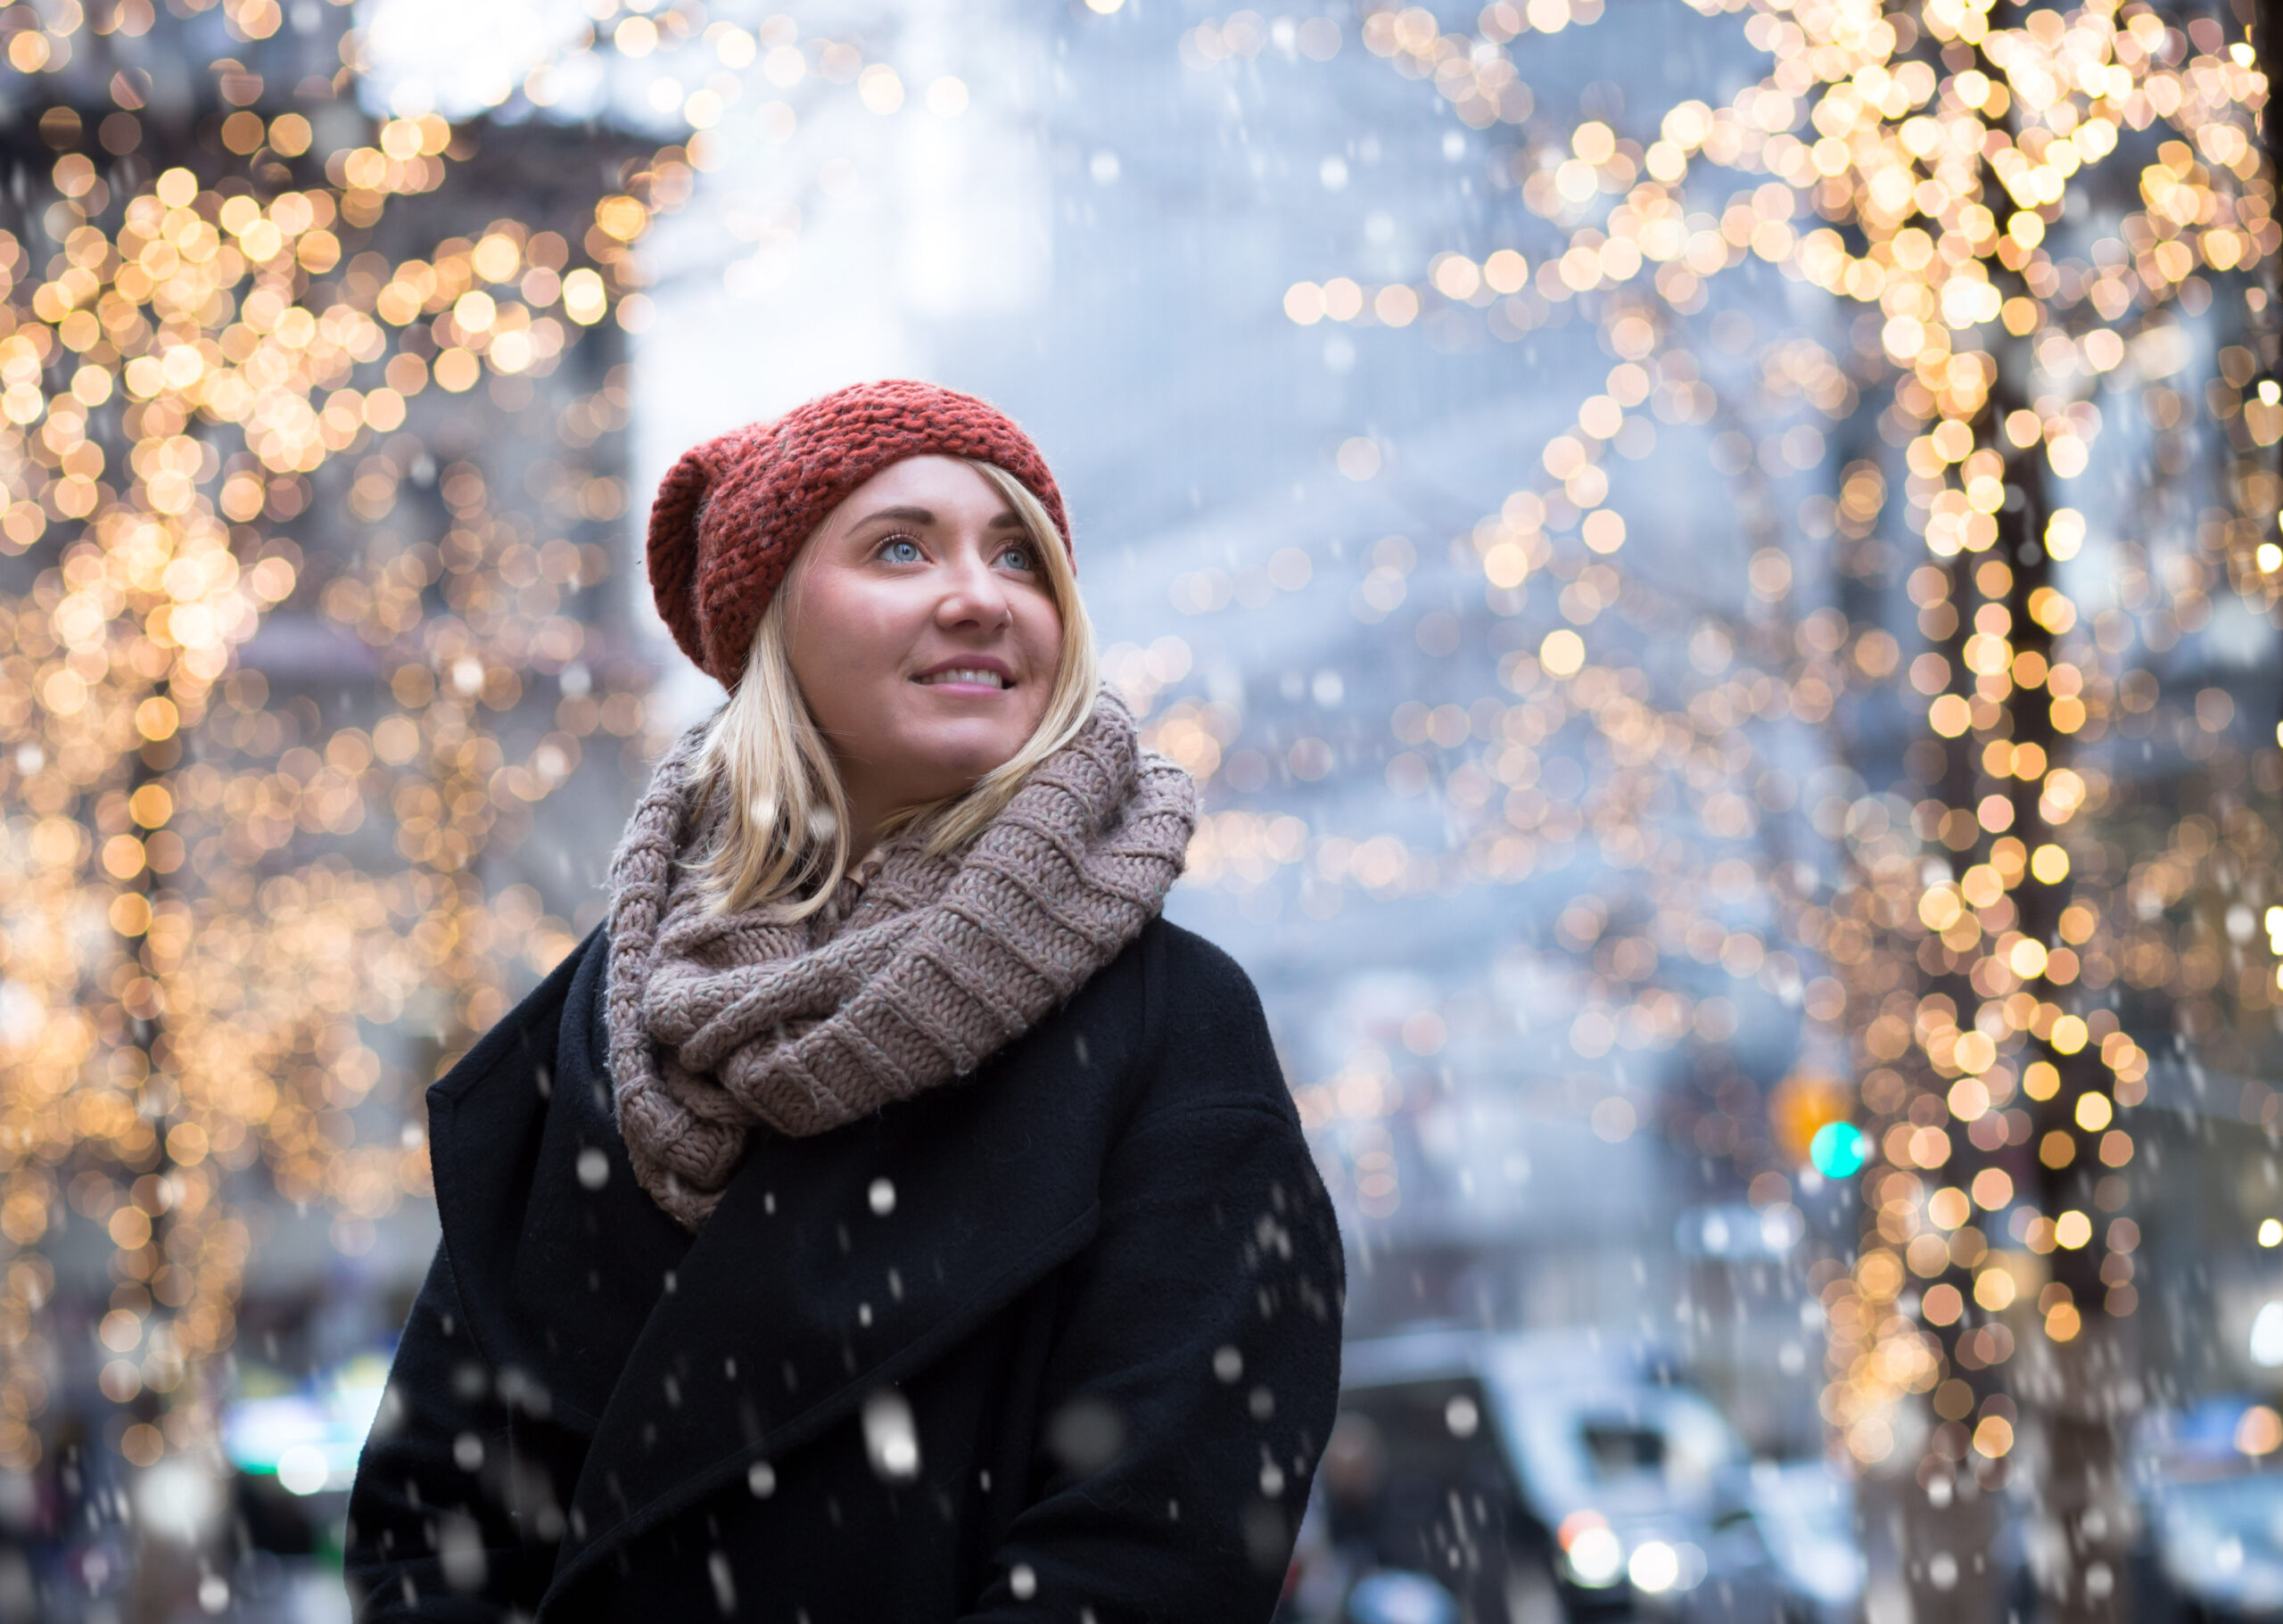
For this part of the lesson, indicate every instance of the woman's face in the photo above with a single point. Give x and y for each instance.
(923, 634)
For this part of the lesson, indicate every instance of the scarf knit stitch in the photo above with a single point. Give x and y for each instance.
(722, 1024)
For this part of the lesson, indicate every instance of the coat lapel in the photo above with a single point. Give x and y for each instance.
(557, 1254)
(486, 1117)
(841, 1264)
(593, 1252)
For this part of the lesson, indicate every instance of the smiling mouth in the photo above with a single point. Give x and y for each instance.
(963, 678)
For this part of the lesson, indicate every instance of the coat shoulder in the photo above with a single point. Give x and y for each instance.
(528, 1033)
(1194, 965)
(1207, 1040)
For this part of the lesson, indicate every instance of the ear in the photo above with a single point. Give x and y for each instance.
(673, 548)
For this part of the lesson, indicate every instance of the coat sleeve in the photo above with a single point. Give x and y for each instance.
(453, 1516)
(1193, 1380)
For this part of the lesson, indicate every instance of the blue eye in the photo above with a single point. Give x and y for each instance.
(1019, 557)
(900, 549)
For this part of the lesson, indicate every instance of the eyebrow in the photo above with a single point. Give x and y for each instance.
(1007, 519)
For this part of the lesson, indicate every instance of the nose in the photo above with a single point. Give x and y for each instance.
(974, 597)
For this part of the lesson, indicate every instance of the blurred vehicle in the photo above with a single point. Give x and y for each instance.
(1538, 1477)
(1392, 1596)
(294, 1449)
(1806, 1513)
(2211, 1494)
(1328, 1584)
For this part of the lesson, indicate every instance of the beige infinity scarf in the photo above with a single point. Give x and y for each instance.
(720, 1024)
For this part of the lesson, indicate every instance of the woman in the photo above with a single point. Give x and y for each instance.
(885, 1216)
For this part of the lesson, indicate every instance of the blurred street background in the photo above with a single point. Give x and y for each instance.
(1716, 560)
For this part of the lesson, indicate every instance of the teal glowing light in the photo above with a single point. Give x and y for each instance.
(1839, 1150)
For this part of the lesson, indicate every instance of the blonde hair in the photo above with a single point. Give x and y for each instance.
(784, 840)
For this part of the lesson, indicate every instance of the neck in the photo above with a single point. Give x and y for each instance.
(867, 810)
(873, 801)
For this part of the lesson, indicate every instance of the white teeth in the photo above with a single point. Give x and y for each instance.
(990, 678)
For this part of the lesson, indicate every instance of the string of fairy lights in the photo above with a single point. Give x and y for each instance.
(196, 944)
(1913, 163)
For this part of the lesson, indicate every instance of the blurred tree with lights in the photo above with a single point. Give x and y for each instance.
(313, 437)
(2031, 223)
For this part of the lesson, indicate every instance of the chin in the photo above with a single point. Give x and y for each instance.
(959, 771)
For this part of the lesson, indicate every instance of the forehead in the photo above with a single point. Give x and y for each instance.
(936, 482)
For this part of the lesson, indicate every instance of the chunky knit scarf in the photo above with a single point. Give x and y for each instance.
(722, 1024)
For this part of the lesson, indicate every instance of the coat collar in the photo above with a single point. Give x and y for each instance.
(833, 1266)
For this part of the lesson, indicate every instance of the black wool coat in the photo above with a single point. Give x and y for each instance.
(1058, 1340)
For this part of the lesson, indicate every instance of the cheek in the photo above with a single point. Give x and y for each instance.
(1039, 627)
(844, 647)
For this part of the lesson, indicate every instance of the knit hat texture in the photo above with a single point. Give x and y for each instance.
(732, 513)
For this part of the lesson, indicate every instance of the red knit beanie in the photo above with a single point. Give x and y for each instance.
(732, 513)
